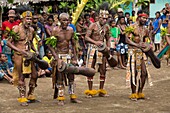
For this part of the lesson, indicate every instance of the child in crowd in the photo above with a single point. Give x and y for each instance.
(48, 58)
(4, 69)
(114, 39)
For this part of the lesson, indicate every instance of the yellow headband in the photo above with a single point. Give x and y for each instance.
(26, 14)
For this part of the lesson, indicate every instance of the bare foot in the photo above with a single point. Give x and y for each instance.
(116, 68)
(61, 103)
(24, 104)
(122, 67)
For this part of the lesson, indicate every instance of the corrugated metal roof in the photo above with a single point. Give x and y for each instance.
(5, 2)
(17, 1)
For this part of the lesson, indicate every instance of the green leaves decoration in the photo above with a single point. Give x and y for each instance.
(12, 34)
(164, 31)
(52, 41)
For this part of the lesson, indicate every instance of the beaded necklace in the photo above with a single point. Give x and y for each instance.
(141, 32)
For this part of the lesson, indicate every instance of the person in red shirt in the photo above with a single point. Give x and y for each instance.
(10, 22)
(92, 16)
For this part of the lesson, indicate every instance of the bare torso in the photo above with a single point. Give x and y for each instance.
(140, 32)
(98, 32)
(25, 36)
(64, 37)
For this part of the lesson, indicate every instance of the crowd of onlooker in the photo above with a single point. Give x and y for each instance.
(44, 23)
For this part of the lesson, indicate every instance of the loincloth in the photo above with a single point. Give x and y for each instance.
(93, 53)
(135, 58)
(25, 69)
(66, 58)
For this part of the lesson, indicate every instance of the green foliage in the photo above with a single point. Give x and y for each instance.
(76, 40)
(72, 7)
(49, 9)
(117, 3)
(12, 34)
(63, 5)
(52, 41)
(129, 29)
(142, 3)
(97, 3)
(76, 36)
(164, 31)
(89, 5)
(10, 1)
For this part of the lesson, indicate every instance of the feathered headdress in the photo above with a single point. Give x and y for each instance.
(25, 11)
(104, 10)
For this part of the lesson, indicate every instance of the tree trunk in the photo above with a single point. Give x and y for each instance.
(134, 7)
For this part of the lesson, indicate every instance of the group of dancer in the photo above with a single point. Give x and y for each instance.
(65, 60)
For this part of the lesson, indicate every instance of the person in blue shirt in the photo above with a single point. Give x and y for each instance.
(4, 69)
(41, 33)
(156, 31)
(72, 25)
(164, 18)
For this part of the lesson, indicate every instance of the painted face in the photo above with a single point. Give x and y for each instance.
(64, 22)
(27, 21)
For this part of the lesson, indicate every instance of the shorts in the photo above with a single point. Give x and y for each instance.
(158, 38)
(1, 75)
(122, 48)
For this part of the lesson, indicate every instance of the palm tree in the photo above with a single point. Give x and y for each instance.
(117, 3)
(142, 3)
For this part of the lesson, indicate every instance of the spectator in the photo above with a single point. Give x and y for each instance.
(156, 31)
(133, 17)
(72, 25)
(114, 39)
(40, 31)
(87, 21)
(4, 69)
(127, 16)
(5, 49)
(48, 58)
(122, 46)
(10, 22)
(164, 18)
(92, 16)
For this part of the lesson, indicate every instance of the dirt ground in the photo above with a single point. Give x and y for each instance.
(157, 97)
